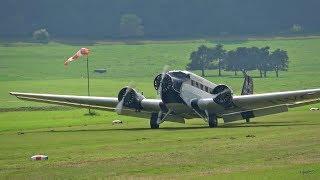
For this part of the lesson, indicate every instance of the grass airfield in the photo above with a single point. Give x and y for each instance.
(79, 146)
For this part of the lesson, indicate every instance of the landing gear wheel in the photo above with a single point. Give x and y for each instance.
(247, 120)
(213, 121)
(153, 121)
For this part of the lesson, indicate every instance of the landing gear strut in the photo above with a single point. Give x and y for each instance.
(213, 121)
(154, 121)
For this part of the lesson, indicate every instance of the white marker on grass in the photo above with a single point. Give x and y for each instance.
(39, 157)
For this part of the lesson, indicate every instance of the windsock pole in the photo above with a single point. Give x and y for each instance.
(88, 77)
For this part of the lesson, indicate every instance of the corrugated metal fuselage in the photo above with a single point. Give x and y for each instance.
(185, 87)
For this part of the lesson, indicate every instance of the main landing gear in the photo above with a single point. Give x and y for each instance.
(158, 118)
(154, 121)
(213, 121)
(247, 120)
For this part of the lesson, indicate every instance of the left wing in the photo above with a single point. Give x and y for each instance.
(249, 106)
(271, 99)
(93, 102)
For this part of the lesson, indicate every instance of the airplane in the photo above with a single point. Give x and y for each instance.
(185, 95)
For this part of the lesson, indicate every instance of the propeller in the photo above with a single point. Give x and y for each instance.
(159, 96)
(222, 92)
(163, 73)
(119, 106)
(223, 100)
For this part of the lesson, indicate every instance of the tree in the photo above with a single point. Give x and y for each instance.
(231, 62)
(296, 28)
(131, 26)
(256, 59)
(263, 61)
(41, 36)
(217, 54)
(279, 61)
(200, 59)
(244, 58)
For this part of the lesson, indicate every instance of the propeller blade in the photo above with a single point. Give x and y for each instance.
(119, 106)
(222, 92)
(163, 73)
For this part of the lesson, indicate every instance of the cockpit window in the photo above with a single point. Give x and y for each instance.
(179, 74)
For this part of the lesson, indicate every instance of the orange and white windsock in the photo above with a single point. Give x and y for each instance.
(81, 52)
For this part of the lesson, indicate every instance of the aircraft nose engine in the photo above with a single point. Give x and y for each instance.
(166, 82)
(131, 98)
(222, 95)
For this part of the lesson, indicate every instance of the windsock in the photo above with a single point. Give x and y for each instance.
(80, 53)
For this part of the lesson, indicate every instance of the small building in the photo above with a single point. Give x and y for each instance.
(101, 71)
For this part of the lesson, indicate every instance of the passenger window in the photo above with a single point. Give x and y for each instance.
(192, 83)
(201, 86)
(206, 89)
(197, 85)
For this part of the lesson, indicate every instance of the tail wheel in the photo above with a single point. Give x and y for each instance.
(213, 121)
(153, 121)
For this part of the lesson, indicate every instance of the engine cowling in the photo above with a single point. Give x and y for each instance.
(131, 98)
(166, 82)
(223, 95)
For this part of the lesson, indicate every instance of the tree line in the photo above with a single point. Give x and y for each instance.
(242, 59)
(99, 19)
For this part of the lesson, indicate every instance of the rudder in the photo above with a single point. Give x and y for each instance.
(247, 87)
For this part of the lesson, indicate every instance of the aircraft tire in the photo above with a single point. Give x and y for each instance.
(213, 121)
(153, 121)
(247, 120)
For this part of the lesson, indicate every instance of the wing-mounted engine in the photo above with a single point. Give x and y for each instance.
(222, 95)
(222, 99)
(131, 98)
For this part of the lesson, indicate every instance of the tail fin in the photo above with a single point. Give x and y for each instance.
(247, 87)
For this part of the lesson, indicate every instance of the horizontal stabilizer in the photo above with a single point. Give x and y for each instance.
(303, 103)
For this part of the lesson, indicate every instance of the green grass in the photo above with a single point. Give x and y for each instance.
(284, 146)
(80, 146)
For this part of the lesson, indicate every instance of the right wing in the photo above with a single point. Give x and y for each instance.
(93, 102)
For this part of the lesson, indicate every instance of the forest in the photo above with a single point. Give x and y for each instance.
(118, 19)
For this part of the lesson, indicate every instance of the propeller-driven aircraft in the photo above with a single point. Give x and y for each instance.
(185, 95)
